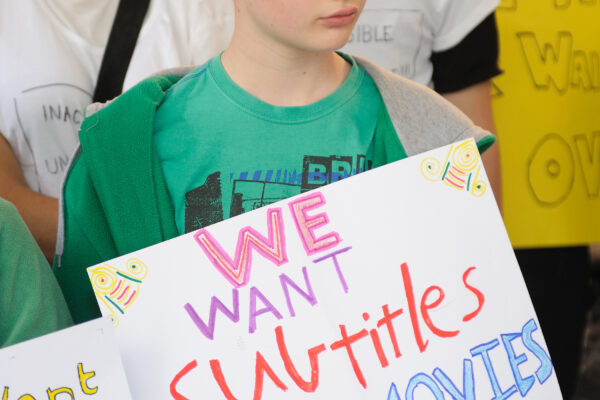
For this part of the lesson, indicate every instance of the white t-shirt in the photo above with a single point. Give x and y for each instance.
(50, 63)
(400, 35)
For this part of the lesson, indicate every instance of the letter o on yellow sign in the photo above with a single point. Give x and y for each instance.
(551, 170)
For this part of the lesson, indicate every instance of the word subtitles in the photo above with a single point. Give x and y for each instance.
(430, 299)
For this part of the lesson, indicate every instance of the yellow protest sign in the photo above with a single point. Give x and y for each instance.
(547, 112)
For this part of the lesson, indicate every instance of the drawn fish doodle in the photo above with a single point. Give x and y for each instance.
(460, 170)
(118, 289)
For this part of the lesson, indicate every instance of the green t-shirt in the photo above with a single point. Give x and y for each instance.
(31, 302)
(225, 152)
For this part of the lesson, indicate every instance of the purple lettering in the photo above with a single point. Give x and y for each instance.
(215, 304)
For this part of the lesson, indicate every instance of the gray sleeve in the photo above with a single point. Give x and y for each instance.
(422, 119)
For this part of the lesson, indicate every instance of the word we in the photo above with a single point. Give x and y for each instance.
(553, 165)
(237, 271)
(60, 393)
(560, 65)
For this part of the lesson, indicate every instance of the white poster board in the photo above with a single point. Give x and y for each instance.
(398, 283)
(78, 362)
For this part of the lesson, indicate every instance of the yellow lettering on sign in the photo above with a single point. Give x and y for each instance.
(548, 121)
(551, 170)
(83, 378)
(53, 393)
(565, 4)
(548, 63)
(588, 153)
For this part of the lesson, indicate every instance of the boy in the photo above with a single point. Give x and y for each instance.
(277, 113)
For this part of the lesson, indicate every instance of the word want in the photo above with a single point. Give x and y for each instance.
(562, 65)
(61, 393)
(431, 298)
(258, 298)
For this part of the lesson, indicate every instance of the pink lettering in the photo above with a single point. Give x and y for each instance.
(237, 271)
(306, 224)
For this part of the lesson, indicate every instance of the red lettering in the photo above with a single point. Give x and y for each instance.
(431, 299)
(291, 369)
(425, 307)
(412, 308)
(215, 367)
(378, 348)
(480, 296)
(346, 342)
(261, 367)
(377, 344)
(173, 387)
(387, 321)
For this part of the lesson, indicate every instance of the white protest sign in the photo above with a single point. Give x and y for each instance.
(397, 283)
(78, 362)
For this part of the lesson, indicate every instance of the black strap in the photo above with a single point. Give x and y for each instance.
(119, 48)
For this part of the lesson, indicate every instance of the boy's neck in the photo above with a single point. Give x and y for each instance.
(284, 77)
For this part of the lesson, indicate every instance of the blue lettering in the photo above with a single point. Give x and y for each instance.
(524, 384)
(426, 380)
(482, 350)
(468, 382)
(545, 369)
(393, 393)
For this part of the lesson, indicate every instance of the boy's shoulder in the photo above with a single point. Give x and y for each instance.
(152, 88)
(422, 118)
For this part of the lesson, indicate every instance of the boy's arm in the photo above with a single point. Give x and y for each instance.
(475, 101)
(464, 80)
(40, 212)
(31, 302)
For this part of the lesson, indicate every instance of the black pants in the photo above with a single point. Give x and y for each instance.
(558, 280)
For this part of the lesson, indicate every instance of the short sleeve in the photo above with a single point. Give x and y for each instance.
(31, 302)
(454, 19)
(473, 60)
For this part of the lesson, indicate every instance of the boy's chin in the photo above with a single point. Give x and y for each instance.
(329, 45)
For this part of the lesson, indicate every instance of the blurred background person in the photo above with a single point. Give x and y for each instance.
(452, 46)
(48, 74)
(448, 45)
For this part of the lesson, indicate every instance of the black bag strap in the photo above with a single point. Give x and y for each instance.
(119, 48)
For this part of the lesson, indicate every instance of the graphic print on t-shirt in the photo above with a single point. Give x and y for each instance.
(204, 205)
(48, 140)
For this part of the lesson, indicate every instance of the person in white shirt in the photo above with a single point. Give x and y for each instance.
(448, 45)
(48, 72)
